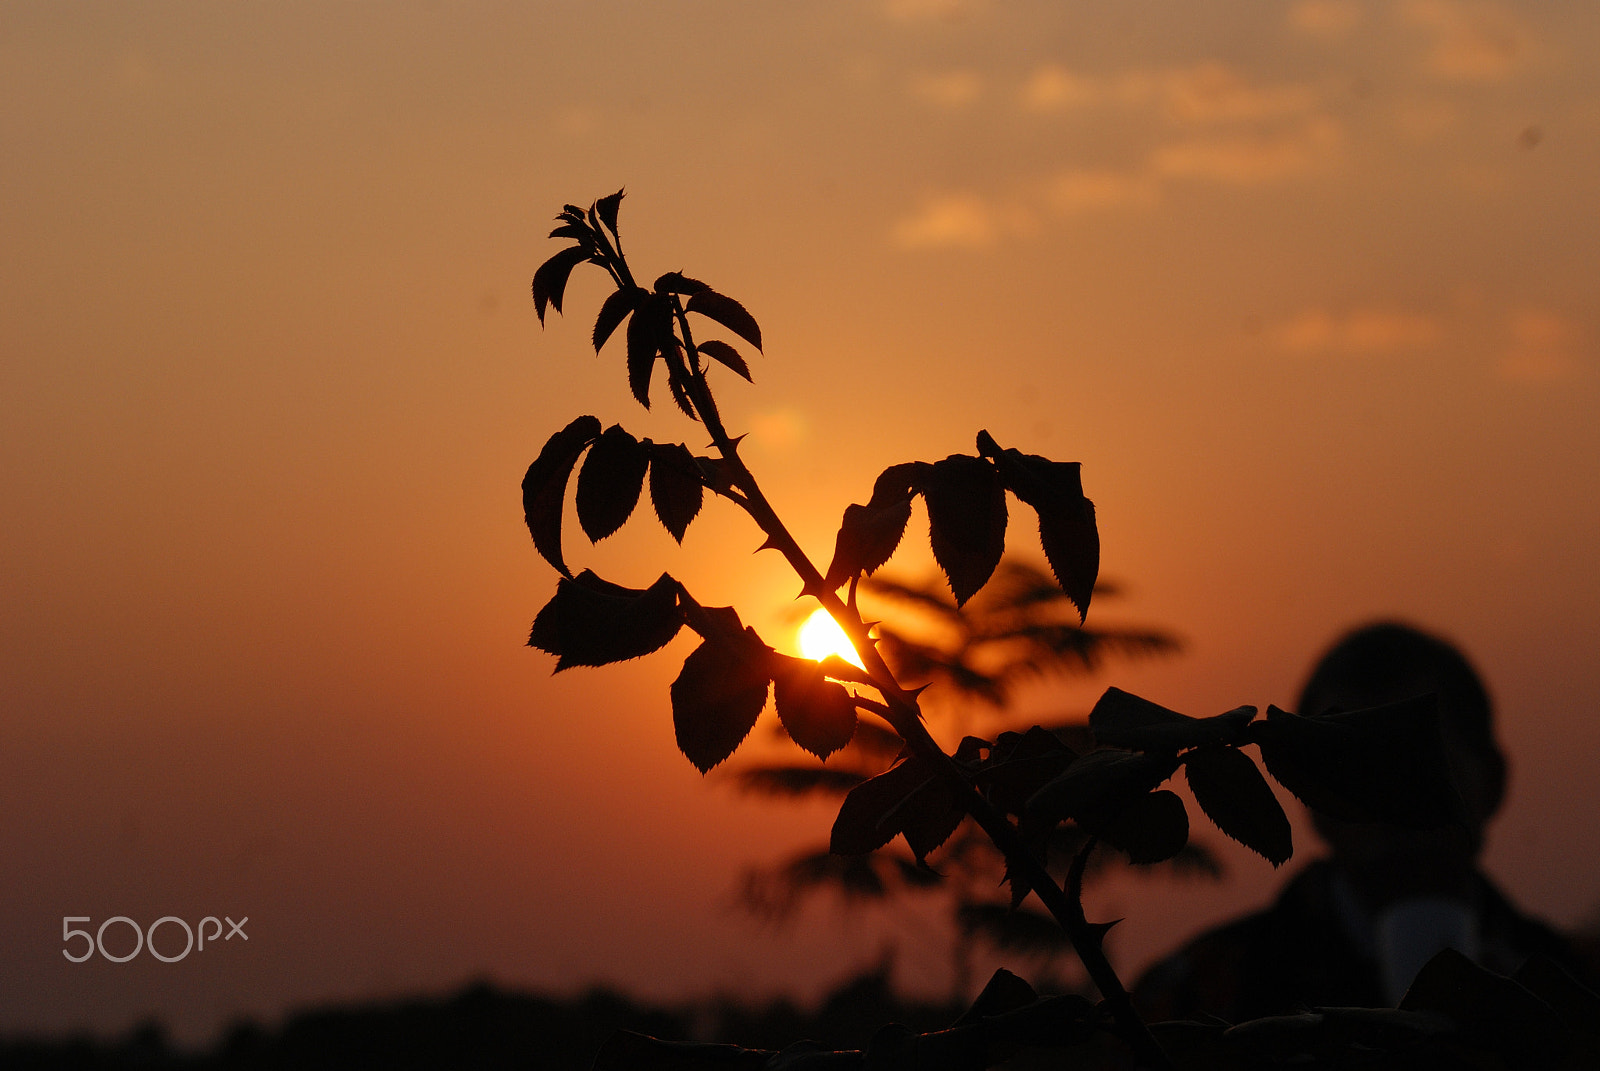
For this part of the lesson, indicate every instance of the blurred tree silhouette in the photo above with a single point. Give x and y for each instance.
(1020, 629)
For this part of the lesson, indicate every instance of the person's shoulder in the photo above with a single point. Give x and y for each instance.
(1212, 971)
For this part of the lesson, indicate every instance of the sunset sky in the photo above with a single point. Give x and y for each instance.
(1312, 290)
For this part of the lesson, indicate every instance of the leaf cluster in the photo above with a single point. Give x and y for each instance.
(966, 500)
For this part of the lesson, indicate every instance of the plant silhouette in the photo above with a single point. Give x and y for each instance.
(1019, 629)
(1019, 788)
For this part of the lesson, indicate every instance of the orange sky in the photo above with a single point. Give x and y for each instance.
(1310, 290)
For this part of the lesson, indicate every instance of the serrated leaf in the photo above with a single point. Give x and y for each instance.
(1494, 1014)
(675, 488)
(727, 312)
(593, 622)
(609, 485)
(910, 798)
(1234, 795)
(613, 311)
(550, 281)
(1151, 829)
(726, 355)
(571, 230)
(1005, 992)
(677, 283)
(606, 209)
(544, 488)
(1103, 781)
(1020, 765)
(678, 379)
(869, 534)
(716, 473)
(1067, 528)
(719, 694)
(1121, 719)
(1379, 764)
(817, 713)
(648, 332)
(867, 538)
(966, 521)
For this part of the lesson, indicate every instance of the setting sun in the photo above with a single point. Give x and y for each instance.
(821, 636)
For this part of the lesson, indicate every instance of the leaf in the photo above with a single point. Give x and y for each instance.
(648, 331)
(727, 312)
(1067, 527)
(817, 713)
(613, 311)
(967, 521)
(727, 355)
(1234, 795)
(716, 473)
(544, 488)
(677, 283)
(593, 622)
(550, 281)
(867, 538)
(1493, 1012)
(609, 485)
(1004, 992)
(869, 534)
(1020, 765)
(675, 488)
(910, 798)
(1379, 764)
(718, 696)
(1151, 829)
(1100, 782)
(606, 209)
(1122, 719)
(678, 380)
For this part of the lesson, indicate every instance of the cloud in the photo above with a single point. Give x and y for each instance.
(1326, 18)
(1543, 348)
(951, 91)
(1469, 42)
(1359, 332)
(1053, 89)
(1250, 159)
(921, 10)
(961, 220)
(1216, 93)
(1079, 190)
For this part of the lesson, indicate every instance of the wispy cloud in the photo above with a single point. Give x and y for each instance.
(1326, 18)
(1250, 159)
(1357, 332)
(961, 220)
(1077, 190)
(1052, 88)
(1217, 93)
(919, 10)
(1543, 347)
(1469, 41)
(950, 90)
(1196, 94)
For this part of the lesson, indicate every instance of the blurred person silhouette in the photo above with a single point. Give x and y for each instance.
(1352, 929)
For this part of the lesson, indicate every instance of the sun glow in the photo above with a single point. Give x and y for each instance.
(821, 636)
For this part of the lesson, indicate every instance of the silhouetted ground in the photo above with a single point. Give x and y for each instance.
(484, 1027)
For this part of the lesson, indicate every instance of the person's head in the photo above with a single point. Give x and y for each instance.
(1388, 661)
